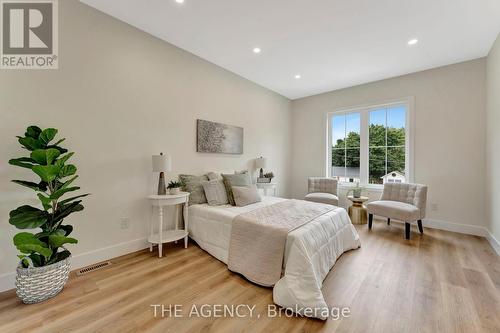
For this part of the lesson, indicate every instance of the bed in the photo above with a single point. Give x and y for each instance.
(310, 251)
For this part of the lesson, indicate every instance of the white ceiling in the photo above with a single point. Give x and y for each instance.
(333, 44)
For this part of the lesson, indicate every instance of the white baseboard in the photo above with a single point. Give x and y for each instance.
(7, 281)
(456, 227)
(495, 244)
(87, 258)
(464, 229)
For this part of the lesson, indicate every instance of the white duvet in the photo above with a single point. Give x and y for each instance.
(310, 253)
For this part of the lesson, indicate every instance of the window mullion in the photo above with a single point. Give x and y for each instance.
(386, 143)
(364, 151)
(345, 146)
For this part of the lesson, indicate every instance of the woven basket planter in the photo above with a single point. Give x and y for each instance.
(37, 284)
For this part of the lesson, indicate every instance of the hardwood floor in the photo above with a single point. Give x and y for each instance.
(438, 282)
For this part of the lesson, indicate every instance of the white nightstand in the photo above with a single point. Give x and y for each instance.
(266, 187)
(165, 236)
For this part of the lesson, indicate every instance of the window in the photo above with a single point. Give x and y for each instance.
(370, 145)
(346, 146)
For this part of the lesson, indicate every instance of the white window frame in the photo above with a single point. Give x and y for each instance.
(364, 111)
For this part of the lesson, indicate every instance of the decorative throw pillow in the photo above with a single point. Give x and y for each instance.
(245, 195)
(213, 176)
(241, 179)
(192, 184)
(215, 192)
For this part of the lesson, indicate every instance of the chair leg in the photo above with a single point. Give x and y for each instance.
(407, 230)
(388, 221)
(370, 221)
(420, 227)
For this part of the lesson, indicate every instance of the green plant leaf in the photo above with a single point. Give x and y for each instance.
(47, 173)
(61, 150)
(34, 186)
(45, 156)
(25, 263)
(33, 132)
(60, 192)
(68, 229)
(47, 135)
(28, 243)
(23, 162)
(67, 170)
(65, 201)
(64, 210)
(60, 185)
(60, 162)
(59, 256)
(30, 143)
(27, 217)
(60, 240)
(58, 142)
(42, 186)
(46, 201)
(37, 260)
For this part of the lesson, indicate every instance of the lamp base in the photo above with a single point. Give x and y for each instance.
(161, 184)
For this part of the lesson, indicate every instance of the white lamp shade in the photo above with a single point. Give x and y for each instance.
(260, 163)
(162, 163)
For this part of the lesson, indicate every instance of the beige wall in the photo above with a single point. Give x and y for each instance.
(493, 139)
(449, 135)
(120, 96)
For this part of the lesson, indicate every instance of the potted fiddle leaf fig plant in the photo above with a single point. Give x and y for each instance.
(44, 260)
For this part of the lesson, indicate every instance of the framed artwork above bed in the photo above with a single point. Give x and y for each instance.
(219, 138)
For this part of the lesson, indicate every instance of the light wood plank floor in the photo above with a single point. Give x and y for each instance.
(438, 282)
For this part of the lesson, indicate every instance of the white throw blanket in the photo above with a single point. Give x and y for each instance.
(314, 249)
(310, 252)
(258, 238)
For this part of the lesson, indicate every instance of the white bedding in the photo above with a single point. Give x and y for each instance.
(310, 252)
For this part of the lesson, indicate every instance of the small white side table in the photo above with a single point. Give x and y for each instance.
(266, 187)
(165, 236)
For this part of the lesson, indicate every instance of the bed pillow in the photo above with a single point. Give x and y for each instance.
(192, 184)
(245, 195)
(214, 176)
(215, 192)
(241, 179)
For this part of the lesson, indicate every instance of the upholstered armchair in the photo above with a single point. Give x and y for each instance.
(323, 190)
(400, 201)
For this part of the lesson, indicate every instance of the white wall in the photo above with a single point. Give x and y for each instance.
(449, 136)
(120, 96)
(493, 140)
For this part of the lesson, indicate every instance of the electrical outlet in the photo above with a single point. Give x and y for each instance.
(125, 223)
(434, 207)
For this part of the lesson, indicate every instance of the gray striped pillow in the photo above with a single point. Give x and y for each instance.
(215, 192)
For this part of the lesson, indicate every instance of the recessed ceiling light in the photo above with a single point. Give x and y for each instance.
(413, 41)
(256, 50)
(179, 1)
(298, 76)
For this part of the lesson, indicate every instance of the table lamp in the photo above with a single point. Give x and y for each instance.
(162, 163)
(260, 163)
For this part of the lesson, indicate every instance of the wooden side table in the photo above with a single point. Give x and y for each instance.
(165, 236)
(357, 211)
(266, 187)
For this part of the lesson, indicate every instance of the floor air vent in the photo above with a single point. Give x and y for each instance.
(91, 268)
